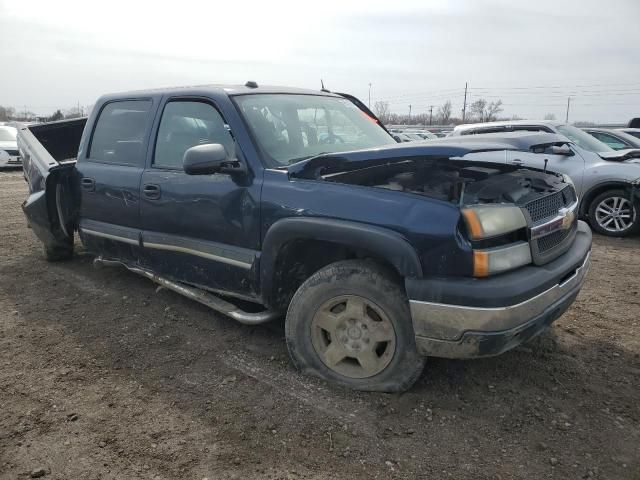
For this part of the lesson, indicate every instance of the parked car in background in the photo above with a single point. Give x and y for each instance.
(413, 136)
(377, 253)
(630, 131)
(616, 139)
(401, 137)
(425, 134)
(607, 181)
(9, 156)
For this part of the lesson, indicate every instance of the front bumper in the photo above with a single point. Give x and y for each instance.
(482, 321)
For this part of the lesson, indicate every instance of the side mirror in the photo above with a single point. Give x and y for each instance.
(563, 150)
(209, 158)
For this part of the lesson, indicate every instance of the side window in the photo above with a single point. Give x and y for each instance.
(118, 136)
(610, 140)
(185, 124)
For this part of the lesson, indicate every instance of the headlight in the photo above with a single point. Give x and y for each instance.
(500, 259)
(485, 221)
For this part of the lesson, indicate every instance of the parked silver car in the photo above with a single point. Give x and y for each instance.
(607, 181)
(615, 138)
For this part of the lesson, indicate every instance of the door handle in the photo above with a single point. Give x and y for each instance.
(516, 161)
(88, 184)
(151, 191)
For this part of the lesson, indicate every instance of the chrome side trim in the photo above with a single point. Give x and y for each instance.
(449, 322)
(237, 257)
(198, 253)
(117, 238)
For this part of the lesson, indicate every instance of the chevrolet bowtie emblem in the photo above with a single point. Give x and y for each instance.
(563, 221)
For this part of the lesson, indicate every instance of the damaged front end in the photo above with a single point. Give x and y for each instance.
(512, 216)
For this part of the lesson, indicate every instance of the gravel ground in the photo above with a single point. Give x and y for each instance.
(102, 376)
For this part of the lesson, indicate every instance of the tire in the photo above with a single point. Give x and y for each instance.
(359, 310)
(603, 218)
(58, 253)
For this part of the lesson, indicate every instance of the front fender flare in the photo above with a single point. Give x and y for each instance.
(380, 242)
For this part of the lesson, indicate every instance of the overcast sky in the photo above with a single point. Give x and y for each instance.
(532, 54)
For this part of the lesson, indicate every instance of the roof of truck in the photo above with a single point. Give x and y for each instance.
(222, 89)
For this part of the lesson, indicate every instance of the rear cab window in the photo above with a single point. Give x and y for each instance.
(119, 134)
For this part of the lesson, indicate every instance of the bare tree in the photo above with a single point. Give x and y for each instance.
(444, 113)
(382, 110)
(493, 109)
(6, 113)
(57, 115)
(550, 116)
(476, 109)
(484, 111)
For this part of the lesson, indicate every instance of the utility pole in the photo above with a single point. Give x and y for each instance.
(369, 96)
(431, 115)
(409, 114)
(566, 119)
(464, 105)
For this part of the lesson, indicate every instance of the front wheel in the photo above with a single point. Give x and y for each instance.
(613, 213)
(349, 323)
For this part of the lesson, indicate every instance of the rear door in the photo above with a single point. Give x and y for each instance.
(109, 179)
(199, 229)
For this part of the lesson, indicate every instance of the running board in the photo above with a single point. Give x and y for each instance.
(212, 301)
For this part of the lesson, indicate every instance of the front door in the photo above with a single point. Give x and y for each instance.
(109, 179)
(199, 229)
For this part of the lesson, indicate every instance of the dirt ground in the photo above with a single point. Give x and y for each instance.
(103, 377)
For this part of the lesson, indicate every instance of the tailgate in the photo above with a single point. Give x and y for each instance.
(49, 153)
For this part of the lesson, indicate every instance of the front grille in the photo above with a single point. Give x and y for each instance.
(547, 207)
(13, 153)
(550, 241)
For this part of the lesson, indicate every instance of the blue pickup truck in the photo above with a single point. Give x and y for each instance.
(269, 202)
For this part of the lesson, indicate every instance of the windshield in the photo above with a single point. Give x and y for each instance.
(7, 134)
(583, 139)
(290, 128)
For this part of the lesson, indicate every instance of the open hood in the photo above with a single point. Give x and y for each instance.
(445, 148)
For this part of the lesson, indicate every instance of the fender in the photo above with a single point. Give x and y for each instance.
(609, 184)
(381, 242)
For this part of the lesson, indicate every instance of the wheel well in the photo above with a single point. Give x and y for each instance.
(595, 191)
(298, 259)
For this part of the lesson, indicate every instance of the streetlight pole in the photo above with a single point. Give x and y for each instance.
(409, 114)
(369, 96)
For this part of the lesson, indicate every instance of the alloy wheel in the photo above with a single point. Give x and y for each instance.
(353, 336)
(615, 214)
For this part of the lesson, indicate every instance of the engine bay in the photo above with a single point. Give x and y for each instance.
(456, 181)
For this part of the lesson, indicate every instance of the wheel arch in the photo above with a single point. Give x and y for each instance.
(323, 241)
(599, 188)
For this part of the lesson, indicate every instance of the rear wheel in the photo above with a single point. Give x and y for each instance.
(613, 213)
(349, 323)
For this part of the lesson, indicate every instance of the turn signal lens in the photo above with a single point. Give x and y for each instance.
(500, 259)
(480, 263)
